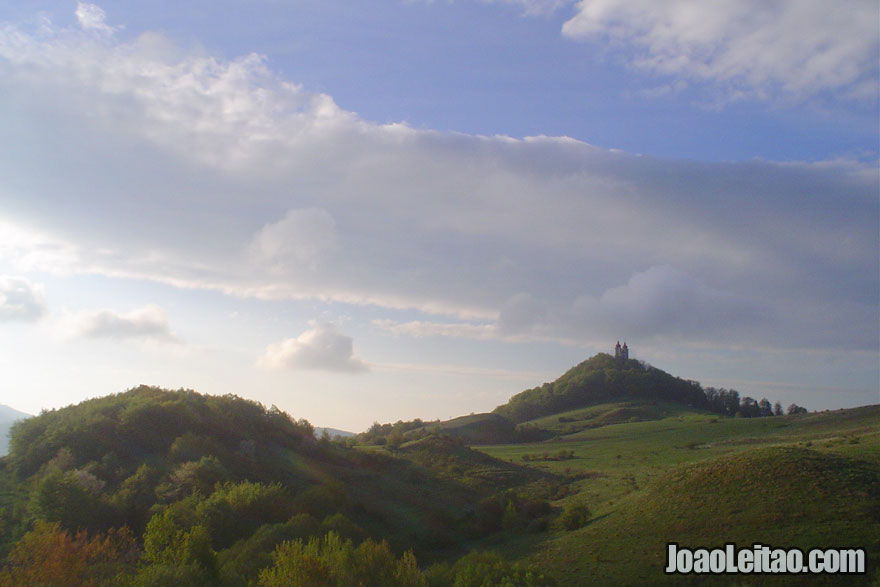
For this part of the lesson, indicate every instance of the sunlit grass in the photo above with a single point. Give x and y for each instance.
(701, 479)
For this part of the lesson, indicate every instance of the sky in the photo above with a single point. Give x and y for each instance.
(395, 209)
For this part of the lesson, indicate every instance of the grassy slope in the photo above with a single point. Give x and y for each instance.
(805, 480)
(473, 429)
(790, 497)
(604, 414)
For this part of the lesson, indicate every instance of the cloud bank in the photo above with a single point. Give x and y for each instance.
(136, 158)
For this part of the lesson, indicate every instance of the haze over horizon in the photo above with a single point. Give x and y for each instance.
(388, 210)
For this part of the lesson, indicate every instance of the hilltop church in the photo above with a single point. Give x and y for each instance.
(621, 352)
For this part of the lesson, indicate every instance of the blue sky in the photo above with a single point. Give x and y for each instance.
(381, 210)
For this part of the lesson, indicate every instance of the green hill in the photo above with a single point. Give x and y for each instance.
(250, 476)
(782, 497)
(449, 456)
(808, 480)
(602, 379)
(596, 416)
(472, 429)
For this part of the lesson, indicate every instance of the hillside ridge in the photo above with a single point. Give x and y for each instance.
(602, 379)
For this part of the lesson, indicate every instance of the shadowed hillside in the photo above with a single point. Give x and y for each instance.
(242, 477)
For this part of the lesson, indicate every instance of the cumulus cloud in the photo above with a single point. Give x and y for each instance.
(20, 300)
(754, 47)
(322, 347)
(209, 173)
(146, 323)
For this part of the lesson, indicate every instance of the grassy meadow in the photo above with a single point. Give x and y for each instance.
(808, 480)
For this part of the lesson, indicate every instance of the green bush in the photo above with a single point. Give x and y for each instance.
(333, 561)
(574, 515)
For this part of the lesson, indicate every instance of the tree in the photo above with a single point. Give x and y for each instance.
(72, 498)
(333, 561)
(394, 441)
(764, 408)
(574, 515)
(730, 400)
(796, 409)
(180, 551)
(777, 409)
(49, 555)
(748, 408)
(193, 476)
(714, 400)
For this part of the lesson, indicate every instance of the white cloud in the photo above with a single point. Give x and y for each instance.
(299, 239)
(755, 47)
(137, 159)
(21, 300)
(92, 17)
(146, 323)
(321, 347)
(30, 250)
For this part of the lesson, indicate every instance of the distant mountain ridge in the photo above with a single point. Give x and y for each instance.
(600, 379)
(332, 432)
(8, 416)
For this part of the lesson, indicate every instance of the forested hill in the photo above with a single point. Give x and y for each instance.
(238, 478)
(600, 379)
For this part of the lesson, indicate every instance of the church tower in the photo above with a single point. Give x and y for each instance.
(621, 352)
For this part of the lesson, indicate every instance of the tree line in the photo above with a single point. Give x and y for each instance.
(729, 403)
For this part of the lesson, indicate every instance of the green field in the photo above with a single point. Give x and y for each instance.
(808, 480)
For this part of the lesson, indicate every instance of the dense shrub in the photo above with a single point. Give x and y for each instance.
(333, 561)
(574, 515)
